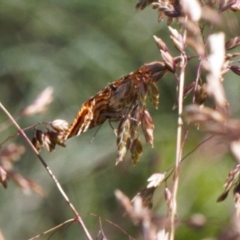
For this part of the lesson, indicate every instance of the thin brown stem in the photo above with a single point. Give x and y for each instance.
(22, 133)
(171, 169)
(53, 229)
(113, 224)
(201, 143)
(179, 146)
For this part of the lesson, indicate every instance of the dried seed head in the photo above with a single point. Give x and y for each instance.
(60, 139)
(171, 9)
(141, 4)
(3, 177)
(197, 114)
(135, 121)
(175, 34)
(232, 179)
(142, 94)
(225, 5)
(214, 65)
(232, 43)
(222, 197)
(147, 127)
(10, 154)
(59, 125)
(122, 150)
(235, 6)
(201, 94)
(236, 69)
(177, 39)
(211, 15)
(46, 142)
(41, 102)
(36, 144)
(169, 61)
(156, 179)
(124, 201)
(136, 150)
(217, 56)
(123, 134)
(168, 197)
(235, 148)
(153, 93)
(123, 130)
(26, 185)
(187, 90)
(147, 196)
(163, 234)
(192, 9)
(48, 139)
(161, 45)
(236, 193)
(197, 221)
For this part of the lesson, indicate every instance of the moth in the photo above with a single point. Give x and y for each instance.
(117, 99)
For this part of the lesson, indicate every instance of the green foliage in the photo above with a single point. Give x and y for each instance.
(77, 47)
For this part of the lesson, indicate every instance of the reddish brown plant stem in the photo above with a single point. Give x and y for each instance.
(22, 133)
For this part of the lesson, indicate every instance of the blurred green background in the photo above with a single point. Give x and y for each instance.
(78, 47)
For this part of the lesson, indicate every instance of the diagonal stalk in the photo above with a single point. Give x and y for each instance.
(22, 133)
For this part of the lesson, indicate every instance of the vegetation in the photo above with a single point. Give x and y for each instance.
(155, 146)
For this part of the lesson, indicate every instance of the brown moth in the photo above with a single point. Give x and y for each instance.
(117, 99)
